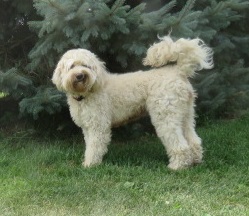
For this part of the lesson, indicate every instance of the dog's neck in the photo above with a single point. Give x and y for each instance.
(82, 97)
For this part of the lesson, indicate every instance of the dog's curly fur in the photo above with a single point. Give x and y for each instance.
(99, 100)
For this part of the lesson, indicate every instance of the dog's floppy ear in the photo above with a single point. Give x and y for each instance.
(57, 76)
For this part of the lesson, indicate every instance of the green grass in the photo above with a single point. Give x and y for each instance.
(39, 176)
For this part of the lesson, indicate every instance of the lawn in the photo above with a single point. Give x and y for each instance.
(43, 176)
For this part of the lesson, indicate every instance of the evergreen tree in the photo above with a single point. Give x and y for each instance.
(224, 91)
(16, 41)
(120, 32)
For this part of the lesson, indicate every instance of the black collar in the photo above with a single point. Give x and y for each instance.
(79, 98)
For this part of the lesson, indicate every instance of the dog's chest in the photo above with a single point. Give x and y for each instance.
(89, 112)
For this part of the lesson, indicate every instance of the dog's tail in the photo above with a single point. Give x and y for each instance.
(189, 55)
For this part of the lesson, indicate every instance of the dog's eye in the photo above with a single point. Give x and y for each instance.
(72, 66)
(86, 66)
(75, 64)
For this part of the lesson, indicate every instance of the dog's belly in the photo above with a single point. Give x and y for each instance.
(128, 115)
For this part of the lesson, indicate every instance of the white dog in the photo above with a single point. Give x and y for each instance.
(99, 100)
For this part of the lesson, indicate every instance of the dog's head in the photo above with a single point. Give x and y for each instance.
(78, 72)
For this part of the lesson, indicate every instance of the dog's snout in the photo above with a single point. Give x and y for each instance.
(80, 77)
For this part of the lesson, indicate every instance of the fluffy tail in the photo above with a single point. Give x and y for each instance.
(189, 55)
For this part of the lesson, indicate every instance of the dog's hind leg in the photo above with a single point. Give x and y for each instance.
(169, 128)
(96, 145)
(191, 136)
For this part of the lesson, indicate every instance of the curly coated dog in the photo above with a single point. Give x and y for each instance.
(99, 100)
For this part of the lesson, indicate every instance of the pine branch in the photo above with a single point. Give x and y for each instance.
(116, 5)
(189, 5)
(56, 6)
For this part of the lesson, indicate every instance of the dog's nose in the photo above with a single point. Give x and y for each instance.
(80, 77)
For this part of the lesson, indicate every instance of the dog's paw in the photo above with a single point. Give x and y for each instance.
(176, 165)
(87, 164)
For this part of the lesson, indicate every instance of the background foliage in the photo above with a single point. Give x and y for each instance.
(34, 34)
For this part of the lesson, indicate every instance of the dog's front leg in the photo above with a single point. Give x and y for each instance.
(96, 145)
